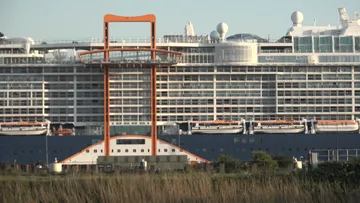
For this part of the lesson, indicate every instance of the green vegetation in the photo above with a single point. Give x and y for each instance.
(261, 161)
(264, 161)
(348, 172)
(232, 165)
(283, 161)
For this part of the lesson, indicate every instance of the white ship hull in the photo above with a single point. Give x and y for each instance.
(18, 132)
(217, 131)
(277, 130)
(336, 128)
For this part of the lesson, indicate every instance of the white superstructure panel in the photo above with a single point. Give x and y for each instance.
(90, 154)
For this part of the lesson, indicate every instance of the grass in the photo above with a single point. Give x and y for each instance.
(192, 187)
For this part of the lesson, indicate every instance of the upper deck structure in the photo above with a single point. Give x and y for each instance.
(313, 71)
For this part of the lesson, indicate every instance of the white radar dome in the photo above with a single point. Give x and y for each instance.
(297, 18)
(222, 28)
(214, 35)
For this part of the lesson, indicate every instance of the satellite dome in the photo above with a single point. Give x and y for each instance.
(297, 18)
(2, 36)
(222, 28)
(214, 35)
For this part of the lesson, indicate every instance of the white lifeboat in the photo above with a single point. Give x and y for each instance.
(279, 127)
(336, 126)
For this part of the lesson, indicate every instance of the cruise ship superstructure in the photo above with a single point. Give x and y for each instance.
(311, 73)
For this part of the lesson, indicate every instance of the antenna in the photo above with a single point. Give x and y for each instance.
(357, 15)
(343, 16)
(315, 21)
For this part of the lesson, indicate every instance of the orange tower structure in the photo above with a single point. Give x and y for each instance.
(152, 64)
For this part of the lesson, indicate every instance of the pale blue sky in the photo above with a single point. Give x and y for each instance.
(76, 19)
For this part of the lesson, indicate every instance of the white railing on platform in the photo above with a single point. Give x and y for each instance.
(165, 39)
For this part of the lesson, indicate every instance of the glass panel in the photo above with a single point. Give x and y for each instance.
(357, 44)
(316, 44)
(304, 46)
(325, 44)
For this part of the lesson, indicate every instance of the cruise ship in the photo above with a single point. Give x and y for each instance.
(227, 95)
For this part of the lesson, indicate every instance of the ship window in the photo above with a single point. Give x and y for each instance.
(251, 140)
(126, 150)
(158, 150)
(87, 151)
(297, 149)
(118, 151)
(204, 149)
(112, 151)
(290, 149)
(165, 150)
(142, 150)
(221, 149)
(148, 150)
(236, 140)
(95, 151)
(243, 149)
(130, 141)
(134, 150)
(101, 151)
(251, 149)
(173, 150)
(306, 149)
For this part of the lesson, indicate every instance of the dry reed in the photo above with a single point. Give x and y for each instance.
(196, 187)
